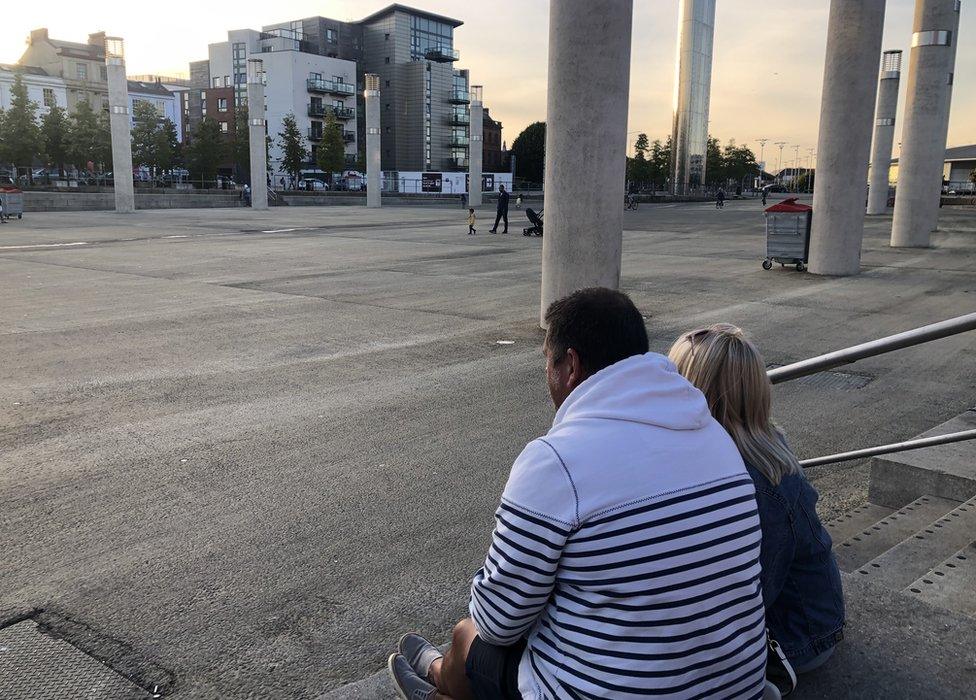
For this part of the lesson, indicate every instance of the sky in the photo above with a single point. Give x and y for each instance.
(767, 63)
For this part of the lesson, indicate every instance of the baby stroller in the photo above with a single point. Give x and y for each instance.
(536, 221)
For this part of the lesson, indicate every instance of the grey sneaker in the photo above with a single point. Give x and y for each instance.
(420, 653)
(409, 685)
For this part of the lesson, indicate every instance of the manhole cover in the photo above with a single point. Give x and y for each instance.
(37, 666)
(832, 379)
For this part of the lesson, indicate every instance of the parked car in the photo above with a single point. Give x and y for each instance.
(311, 184)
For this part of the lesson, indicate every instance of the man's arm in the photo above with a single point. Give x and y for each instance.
(537, 514)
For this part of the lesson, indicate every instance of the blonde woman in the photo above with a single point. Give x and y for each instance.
(800, 579)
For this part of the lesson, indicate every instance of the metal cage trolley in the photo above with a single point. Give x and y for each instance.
(13, 202)
(788, 234)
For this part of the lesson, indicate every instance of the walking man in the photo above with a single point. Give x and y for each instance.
(502, 212)
(625, 556)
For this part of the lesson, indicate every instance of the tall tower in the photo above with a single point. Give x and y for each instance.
(475, 147)
(374, 184)
(884, 131)
(120, 124)
(692, 85)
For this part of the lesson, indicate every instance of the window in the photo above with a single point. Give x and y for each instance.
(216, 82)
(103, 72)
(386, 37)
(314, 76)
(338, 79)
(387, 83)
(221, 104)
(203, 94)
(387, 59)
(224, 127)
(330, 35)
(49, 99)
(226, 81)
(81, 70)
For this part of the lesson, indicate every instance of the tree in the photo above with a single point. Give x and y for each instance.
(292, 143)
(641, 146)
(206, 150)
(144, 135)
(739, 163)
(89, 138)
(168, 151)
(529, 149)
(22, 139)
(330, 155)
(54, 129)
(242, 144)
(714, 167)
(659, 163)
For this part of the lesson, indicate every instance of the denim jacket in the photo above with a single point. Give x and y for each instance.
(800, 579)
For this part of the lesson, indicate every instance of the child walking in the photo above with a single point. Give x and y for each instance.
(471, 230)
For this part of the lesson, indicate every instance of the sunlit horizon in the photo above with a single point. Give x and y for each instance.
(766, 75)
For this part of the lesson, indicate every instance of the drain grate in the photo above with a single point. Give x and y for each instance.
(37, 666)
(831, 379)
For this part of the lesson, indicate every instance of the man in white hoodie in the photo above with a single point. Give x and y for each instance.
(625, 557)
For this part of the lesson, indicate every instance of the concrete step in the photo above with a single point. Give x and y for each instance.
(849, 524)
(951, 584)
(876, 539)
(912, 557)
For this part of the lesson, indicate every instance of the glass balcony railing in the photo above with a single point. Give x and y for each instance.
(348, 136)
(459, 119)
(316, 110)
(459, 141)
(459, 97)
(457, 163)
(441, 54)
(314, 134)
(330, 86)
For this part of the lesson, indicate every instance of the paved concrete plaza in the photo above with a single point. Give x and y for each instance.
(242, 451)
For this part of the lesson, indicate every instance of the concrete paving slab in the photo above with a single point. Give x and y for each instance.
(255, 455)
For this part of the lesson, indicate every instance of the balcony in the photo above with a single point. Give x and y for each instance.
(348, 136)
(331, 87)
(459, 141)
(459, 97)
(341, 113)
(441, 54)
(314, 134)
(459, 119)
(455, 163)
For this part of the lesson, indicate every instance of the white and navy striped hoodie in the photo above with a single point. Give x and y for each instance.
(626, 548)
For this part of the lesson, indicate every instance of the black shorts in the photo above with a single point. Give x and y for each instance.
(493, 671)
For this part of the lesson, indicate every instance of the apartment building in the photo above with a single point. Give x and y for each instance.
(81, 66)
(299, 80)
(494, 158)
(166, 103)
(43, 89)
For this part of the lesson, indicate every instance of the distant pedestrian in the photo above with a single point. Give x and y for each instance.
(282, 183)
(471, 229)
(464, 199)
(502, 211)
(518, 201)
(720, 199)
(765, 192)
(246, 195)
(3, 218)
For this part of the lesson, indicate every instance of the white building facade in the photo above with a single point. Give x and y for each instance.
(167, 104)
(43, 89)
(297, 81)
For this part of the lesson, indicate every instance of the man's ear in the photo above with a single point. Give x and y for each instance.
(574, 367)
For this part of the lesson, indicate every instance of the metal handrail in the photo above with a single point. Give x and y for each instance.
(905, 446)
(916, 336)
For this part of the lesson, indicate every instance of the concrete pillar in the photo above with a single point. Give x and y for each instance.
(854, 30)
(257, 134)
(374, 174)
(475, 146)
(923, 138)
(120, 123)
(692, 87)
(586, 144)
(884, 131)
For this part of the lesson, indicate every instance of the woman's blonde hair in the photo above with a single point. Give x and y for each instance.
(729, 370)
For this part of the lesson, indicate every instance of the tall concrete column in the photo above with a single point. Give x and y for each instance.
(120, 124)
(926, 122)
(692, 88)
(586, 144)
(257, 134)
(884, 131)
(854, 30)
(374, 184)
(475, 146)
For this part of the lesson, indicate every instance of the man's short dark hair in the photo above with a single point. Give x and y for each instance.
(602, 325)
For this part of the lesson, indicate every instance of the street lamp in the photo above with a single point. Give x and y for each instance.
(780, 166)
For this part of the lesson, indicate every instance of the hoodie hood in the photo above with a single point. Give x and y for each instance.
(643, 389)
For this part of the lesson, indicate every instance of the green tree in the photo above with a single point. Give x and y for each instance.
(739, 163)
(22, 141)
(168, 151)
(659, 162)
(54, 129)
(529, 149)
(89, 138)
(714, 165)
(206, 151)
(292, 144)
(242, 144)
(144, 135)
(330, 156)
(641, 146)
